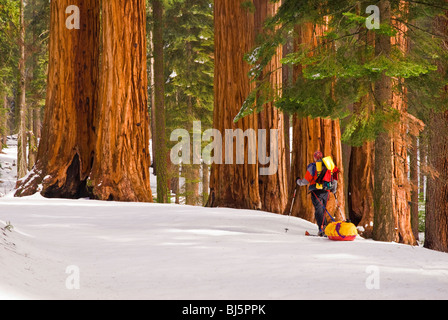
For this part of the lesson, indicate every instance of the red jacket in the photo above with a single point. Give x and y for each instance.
(311, 176)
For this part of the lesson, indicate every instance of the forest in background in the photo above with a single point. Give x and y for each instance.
(374, 98)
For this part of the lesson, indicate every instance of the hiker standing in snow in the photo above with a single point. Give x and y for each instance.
(320, 191)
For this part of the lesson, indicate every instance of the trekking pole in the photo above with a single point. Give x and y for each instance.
(290, 210)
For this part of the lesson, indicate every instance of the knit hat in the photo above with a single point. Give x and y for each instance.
(318, 155)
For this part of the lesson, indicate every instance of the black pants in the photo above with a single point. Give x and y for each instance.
(320, 199)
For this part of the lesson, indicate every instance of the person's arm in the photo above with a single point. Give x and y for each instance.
(308, 178)
(302, 182)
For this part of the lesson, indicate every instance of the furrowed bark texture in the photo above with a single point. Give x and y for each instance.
(310, 135)
(384, 220)
(436, 231)
(66, 150)
(121, 166)
(273, 187)
(233, 185)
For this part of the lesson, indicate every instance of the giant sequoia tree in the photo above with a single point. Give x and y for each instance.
(273, 187)
(436, 232)
(237, 24)
(66, 150)
(121, 163)
(233, 185)
(310, 135)
(89, 124)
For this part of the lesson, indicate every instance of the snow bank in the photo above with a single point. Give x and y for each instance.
(83, 249)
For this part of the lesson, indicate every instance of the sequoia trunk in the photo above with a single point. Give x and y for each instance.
(121, 166)
(310, 135)
(233, 185)
(67, 145)
(159, 140)
(273, 187)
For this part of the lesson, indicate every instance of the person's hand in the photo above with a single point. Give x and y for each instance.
(334, 188)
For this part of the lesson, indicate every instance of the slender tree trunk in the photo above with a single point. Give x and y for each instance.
(192, 170)
(22, 167)
(32, 140)
(153, 100)
(121, 166)
(205, 182)
(233, 185)
(273, 187)
(401, 142)
(68, 139)
(384, 220)
(413, 165)
(159, 94)
(4, 121)
(362, 160)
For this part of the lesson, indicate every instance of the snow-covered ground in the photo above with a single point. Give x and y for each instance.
(85, 249)
(115, 250)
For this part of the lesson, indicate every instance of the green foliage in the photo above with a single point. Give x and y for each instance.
(189, 64)
(37, 20)
(248, 5)
(343, 67)
(9, 21)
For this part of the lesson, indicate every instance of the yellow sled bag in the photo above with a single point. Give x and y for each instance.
(341, 231)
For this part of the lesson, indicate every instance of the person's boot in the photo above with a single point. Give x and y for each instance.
(321, 233)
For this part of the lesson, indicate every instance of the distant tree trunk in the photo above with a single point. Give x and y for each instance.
(287, 78)
(423, 155)
(413, 166)
(273, 187)
(121, 166)
(159, 104)
(68, 139)
(32, 140)
(4, 121)
(233, 185)
(192, 170)
(22, 167)
(174, 183)
(384, 219)
(32, 115)
(153, 103)
(205, 182)
(401, 142)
